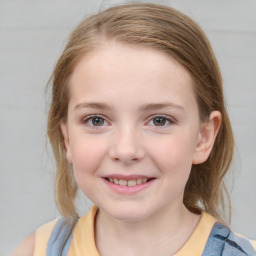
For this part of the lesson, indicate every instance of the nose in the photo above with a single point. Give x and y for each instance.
(127, 146)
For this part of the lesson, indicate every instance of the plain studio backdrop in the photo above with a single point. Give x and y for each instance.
(32, 36)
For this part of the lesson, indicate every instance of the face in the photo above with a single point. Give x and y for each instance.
(132, 131)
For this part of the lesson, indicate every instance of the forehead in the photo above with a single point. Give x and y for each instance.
(131, 72)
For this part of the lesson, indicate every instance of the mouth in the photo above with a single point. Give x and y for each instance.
(128, 185)
(128, 182)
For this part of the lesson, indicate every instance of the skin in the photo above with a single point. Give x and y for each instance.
(117, 94)
(132, 111)
(26, 248)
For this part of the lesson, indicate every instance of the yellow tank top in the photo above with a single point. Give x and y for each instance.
(84, 231)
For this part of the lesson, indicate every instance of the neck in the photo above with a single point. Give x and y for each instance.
(161, 234)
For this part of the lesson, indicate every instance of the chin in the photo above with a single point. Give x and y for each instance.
(127, 214)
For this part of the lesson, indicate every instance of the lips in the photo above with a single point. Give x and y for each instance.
(128, 182)
(128, 185)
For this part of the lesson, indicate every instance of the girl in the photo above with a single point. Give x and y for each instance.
(138, 123)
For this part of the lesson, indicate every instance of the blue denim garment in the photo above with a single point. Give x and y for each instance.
(223, 242)
(57, 237)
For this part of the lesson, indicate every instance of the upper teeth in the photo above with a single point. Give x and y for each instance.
(129, 183)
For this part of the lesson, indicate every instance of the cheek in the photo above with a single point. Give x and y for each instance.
(87, 155)
(173, 155)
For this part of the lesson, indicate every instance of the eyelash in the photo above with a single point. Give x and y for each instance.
(90, 118)
(168, 119)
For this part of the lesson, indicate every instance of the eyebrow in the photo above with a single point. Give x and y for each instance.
(157, 106)
(92, 105)
(145, 107)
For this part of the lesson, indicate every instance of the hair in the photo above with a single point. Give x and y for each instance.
(169, 31)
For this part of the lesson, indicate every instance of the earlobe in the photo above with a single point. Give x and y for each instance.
(64, 130)
(207, 136)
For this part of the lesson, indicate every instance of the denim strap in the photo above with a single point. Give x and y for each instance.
(223, 242)
(57, 238)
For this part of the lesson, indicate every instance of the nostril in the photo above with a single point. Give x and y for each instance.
(126, 160)
(126, 151)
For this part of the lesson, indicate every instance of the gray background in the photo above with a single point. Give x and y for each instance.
(32, 36)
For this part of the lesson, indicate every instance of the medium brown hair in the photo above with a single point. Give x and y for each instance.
(167, 30)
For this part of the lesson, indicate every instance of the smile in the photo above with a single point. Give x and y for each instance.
(129, 183)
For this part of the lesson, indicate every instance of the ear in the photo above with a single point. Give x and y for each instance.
(206, 138)
(64, 130)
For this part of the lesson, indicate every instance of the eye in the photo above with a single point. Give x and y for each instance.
(160, 121)
(95, 121)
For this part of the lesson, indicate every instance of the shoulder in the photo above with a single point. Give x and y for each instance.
(36, 243)
(42, 236)
(242, 243)
(26, 248)
(222, 239)
(253, 242)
